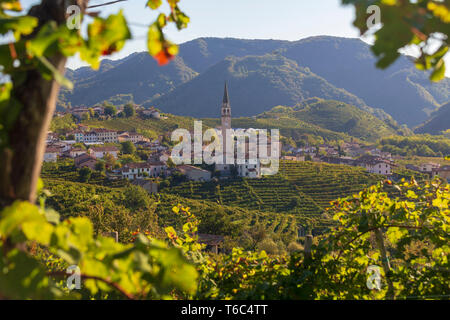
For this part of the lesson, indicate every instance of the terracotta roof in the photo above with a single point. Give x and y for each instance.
(52, 150)
(156, 163)
(105, 149)
(79, 160)
(83, 156)
(443, 168)
(137, 165)
(185, 167)
(102, 130)
(210, 239)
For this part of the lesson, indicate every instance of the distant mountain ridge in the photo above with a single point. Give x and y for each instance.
(256, 83)
(328, 67)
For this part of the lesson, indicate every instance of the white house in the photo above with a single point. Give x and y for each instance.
(51, 154)
(428, 167)
(143, 169)
(249, 170)
(376, 166)
(443, 172)
(75, 152)
(100, 152)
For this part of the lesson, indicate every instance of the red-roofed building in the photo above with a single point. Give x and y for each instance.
(100, 152)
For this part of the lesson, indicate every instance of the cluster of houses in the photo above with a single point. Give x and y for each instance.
(370, 158)
(137, 172)
(351, 153)
(432, 169)
(348, 153)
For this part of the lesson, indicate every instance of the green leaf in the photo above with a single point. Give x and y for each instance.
(22, 25)
(57, 76)
(154, 4)
(438, 72)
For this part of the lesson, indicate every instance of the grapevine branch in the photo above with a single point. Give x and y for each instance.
(374, 229)
(88, 277)
(105, 4)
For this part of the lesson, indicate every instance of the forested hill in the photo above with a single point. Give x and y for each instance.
(439, 121)
(277, 72)
(339, 117)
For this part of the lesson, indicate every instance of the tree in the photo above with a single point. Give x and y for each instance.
(110, 110)
(100, 166)
(129, 110)
(86, 116)
(422, 24)
(84, 174)
(137, 198)
(109, 160)
(128, 147)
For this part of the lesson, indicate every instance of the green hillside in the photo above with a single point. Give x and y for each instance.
(110, 209)
(423, 145)
(328, 119)
(300, 188)
(439, 121)
(289, 127)
(148, 127)
(336, 116)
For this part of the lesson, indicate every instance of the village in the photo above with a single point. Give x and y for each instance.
(132, 156)
(369, 157)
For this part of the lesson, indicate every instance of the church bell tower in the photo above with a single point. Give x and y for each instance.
(226, 118)
(226, 110)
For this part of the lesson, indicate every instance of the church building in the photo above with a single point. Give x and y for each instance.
(243, 170)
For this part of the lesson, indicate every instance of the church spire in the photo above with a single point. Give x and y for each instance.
(226, 99)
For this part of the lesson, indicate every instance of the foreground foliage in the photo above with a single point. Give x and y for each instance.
(406, 235)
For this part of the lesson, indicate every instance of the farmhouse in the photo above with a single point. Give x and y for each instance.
(443, 172)
(133, 137)
(139, 170)
(428, 167)
(51, 154)
(375, 165)
(100, 152)
(75, 152)
(85, 160)
(195, 173)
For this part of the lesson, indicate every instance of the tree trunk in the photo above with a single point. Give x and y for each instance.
(20, 163)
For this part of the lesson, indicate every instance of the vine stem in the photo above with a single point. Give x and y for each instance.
(374, 229)
(88, 277)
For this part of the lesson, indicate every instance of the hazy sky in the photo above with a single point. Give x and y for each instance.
(249, 19)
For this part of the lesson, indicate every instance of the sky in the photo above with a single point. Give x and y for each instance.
(245, 19)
